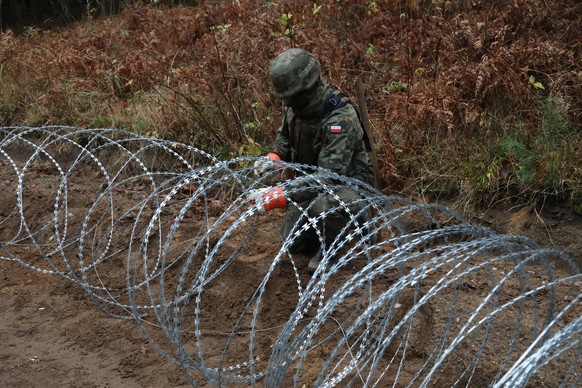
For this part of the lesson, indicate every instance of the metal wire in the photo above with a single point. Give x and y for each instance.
(408, 294)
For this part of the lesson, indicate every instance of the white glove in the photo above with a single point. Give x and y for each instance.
(268, 198)
(262, 166)
(272, 160)
(256, 197)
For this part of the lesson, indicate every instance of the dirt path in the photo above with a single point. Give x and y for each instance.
(53, 335)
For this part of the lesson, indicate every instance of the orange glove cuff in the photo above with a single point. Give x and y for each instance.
(276, 159)
(274, 156)
(274, 199)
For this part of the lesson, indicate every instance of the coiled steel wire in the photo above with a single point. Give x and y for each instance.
(159, 232)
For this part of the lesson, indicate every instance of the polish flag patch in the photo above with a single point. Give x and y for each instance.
(335, 129)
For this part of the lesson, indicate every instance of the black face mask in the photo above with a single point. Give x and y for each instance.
(298, 102)
(301, 100)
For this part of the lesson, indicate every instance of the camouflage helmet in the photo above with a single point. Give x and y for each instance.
(294, 71)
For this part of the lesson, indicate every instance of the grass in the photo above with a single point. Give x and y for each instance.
(509, 162)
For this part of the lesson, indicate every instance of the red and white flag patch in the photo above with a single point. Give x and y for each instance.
(335, 129)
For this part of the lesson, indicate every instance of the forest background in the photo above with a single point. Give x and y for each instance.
(471, 101)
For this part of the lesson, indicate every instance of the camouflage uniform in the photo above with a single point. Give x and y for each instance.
(335, 142)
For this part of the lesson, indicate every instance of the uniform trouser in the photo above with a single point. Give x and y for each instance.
(329, 226)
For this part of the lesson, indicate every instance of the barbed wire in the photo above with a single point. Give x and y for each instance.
(165, 234)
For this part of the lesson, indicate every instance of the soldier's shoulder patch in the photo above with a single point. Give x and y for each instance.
(335, 129)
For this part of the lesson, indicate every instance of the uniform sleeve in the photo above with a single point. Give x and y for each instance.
(341, 136)
(283, 142)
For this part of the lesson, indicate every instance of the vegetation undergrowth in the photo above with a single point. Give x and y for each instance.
(478, 101)
(511, 163)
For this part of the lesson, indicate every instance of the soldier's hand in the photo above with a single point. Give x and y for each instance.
(272, 160)
(268, 199)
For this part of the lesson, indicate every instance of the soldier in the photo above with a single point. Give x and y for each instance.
(320, 128)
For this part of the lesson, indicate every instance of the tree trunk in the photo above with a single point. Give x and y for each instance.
(14, 14)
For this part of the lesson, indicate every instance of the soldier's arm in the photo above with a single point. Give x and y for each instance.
(342, 133)
(283, 142)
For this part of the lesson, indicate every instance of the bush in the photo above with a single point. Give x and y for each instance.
(481, 102)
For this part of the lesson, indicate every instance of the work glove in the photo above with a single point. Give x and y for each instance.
(264, 164)
(268, 198)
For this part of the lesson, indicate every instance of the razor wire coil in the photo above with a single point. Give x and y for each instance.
(169, 227)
